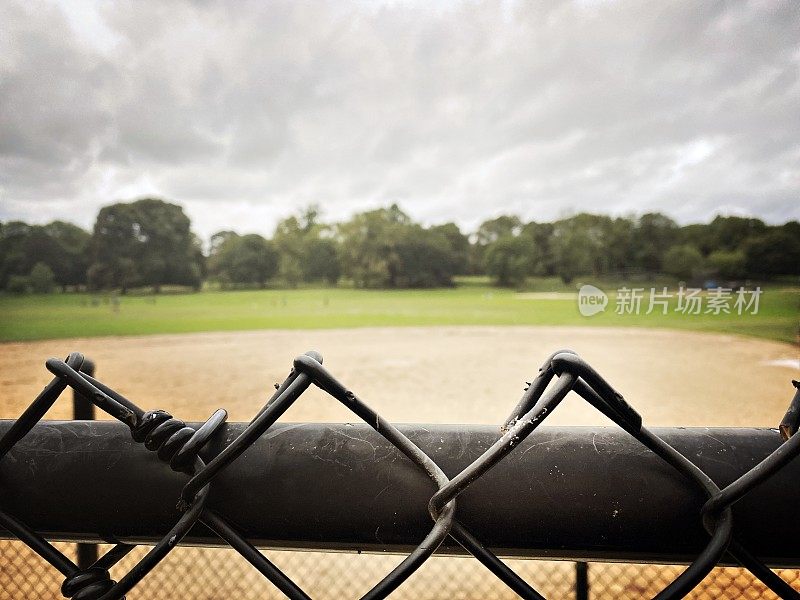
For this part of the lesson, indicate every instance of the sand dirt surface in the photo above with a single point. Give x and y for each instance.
(427, 375)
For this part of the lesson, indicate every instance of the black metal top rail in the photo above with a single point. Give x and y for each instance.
(589, 492)
(579, 493)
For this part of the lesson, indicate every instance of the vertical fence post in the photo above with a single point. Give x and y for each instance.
(83, 410)
(581, 581)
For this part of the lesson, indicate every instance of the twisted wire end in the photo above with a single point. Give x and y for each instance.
(88, 584)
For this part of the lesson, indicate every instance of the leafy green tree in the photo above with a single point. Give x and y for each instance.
(216, 268)
(579, 247)
(39, 247)
(683, 261)
(322, 260)
(368, 246)
(146, 242)
(59, 245)
(653, 235)
(730, 264)
(217, 241)
(574, 252)
(383, 248)
(730, 233)
(15, 259)
(425, 258)
(493, 229)
(488, 232)
(791, 228)
(308, 250)
(199, 260)
(290, 239)
(458, 244)
(775, 252)
(115, 248)
(42, 279)
(541, 236)
(69, 268)
(618, 245)
(697, 235)
(18, 284)
(246, 259)
(509, 258)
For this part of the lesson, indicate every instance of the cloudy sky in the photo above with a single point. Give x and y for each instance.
(245, 112)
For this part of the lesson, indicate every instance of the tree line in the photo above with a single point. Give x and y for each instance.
(149, 243)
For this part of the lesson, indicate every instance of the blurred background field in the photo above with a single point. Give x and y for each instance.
(471, 302)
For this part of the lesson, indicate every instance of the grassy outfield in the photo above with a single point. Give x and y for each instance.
(472, 303)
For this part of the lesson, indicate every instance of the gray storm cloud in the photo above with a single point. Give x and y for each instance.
(245, 112)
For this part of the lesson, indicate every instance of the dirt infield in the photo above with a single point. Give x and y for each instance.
(433, 375)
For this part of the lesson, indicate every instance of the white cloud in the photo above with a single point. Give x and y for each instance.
(243, 113)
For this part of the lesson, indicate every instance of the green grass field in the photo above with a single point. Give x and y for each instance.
(472, 303)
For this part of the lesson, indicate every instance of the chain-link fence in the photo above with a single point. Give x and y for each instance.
(221, 573)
